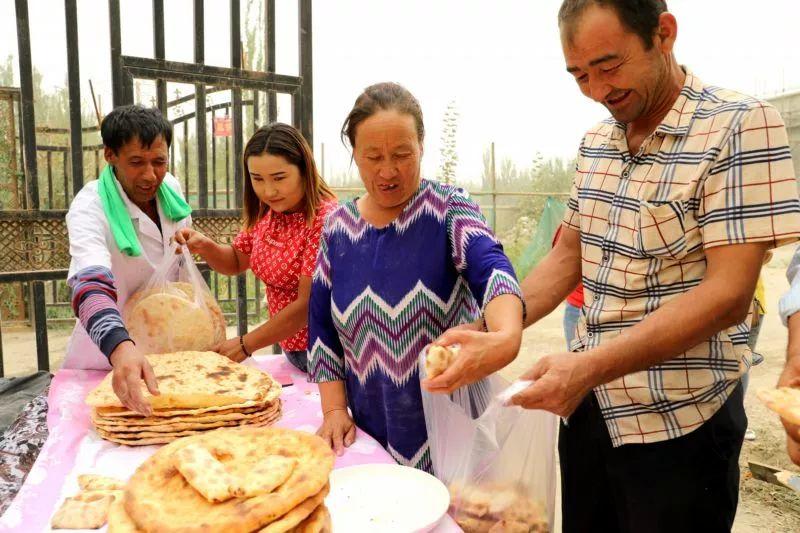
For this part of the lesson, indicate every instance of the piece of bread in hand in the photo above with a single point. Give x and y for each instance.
(439, 359)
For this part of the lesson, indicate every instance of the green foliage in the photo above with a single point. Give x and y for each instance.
(7, 72)
(518, 218)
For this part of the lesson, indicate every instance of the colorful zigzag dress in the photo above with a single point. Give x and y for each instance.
(380, 295)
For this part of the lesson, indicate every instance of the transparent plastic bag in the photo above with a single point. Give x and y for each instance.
(497, 461)
(174, 311)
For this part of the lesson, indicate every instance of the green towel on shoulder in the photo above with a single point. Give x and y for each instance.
(173, 205)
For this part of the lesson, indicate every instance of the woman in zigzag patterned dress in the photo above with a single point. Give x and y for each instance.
(396, 269)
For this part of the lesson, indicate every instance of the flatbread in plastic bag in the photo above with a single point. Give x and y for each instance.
(498, 461)
(175, 310)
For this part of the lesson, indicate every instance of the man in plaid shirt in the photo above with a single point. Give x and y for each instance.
(676, 200)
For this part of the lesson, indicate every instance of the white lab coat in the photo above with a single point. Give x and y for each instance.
(91, 243)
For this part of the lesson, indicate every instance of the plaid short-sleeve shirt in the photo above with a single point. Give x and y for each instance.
(717, 171)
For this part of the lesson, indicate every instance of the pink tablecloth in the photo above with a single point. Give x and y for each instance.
(73, 448)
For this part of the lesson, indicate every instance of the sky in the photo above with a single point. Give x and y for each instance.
(500, 62)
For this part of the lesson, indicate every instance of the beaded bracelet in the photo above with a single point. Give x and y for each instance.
(241, 343)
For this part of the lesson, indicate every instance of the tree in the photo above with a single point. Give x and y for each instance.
(449, 161)
(7, 72)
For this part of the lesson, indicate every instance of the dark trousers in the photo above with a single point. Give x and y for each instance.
(686, 484)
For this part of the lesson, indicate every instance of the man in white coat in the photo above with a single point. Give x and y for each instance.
(119, 230)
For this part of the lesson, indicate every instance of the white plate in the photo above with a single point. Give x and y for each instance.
(385, 498)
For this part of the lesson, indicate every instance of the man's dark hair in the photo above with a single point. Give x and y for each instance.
(134, 121)
(637, 16)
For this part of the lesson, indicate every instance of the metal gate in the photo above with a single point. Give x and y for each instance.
(34, 248)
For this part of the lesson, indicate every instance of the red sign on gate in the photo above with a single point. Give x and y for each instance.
(222, 127)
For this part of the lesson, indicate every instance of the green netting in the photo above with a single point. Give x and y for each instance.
(542, 240)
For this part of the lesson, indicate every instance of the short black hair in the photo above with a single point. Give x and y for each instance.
(638, 16)
(129, 121)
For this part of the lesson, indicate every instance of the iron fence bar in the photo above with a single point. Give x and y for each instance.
(306, 95)
(74, 82)
(21, 185)
(59, 214)
(241, 303)
(40, 325)
(186, 158)
(115, 33)
(97, 163)
(51, 148)
(127, 88)
(66, 178)
(255, 109)
(50, 180)
(213, 159)
(190, 115)
(153, 69)
(27, 116)
(200, 107)
(12, 98)
(297, 109)
(189, 97)
(236, 63)
(204, 212)
(272, 97)
(159, 52)
(216, 285)
(172, 155)
(21, 277)
(49, 129)
(474, 193)
(228, 172)
(520, 193)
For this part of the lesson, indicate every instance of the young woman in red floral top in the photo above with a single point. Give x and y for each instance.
(285, 205)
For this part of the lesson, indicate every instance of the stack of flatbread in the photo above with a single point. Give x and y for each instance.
(233, 480)
(174, 318)
(200, 391)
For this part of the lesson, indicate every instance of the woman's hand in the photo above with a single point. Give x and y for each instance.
(481, 354)
(194, 240)
(232, 349)
(338, 429)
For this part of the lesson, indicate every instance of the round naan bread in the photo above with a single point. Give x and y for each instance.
(123, 412)
(317, 522)
(158, 498)
(165, 322)
(163, 438)
(784, 400)
(195, 380)
(184, 426)
(297, 515)
(168, 319)
(228, 415)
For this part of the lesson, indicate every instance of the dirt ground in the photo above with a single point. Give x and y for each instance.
(762, 507)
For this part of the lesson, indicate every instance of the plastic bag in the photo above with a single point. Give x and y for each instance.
(174, 311)
(497, 461)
